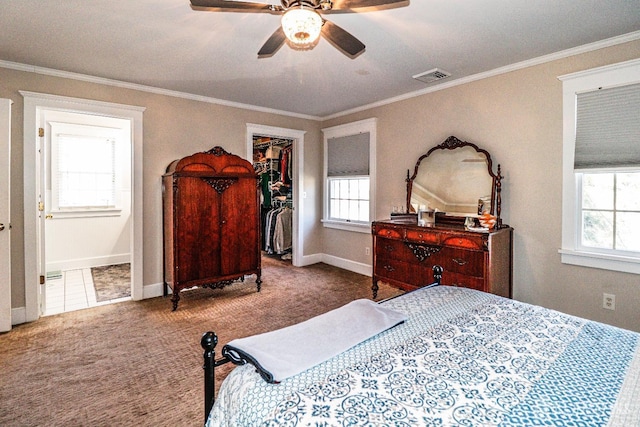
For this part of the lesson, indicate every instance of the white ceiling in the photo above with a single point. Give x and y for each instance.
(165, 44)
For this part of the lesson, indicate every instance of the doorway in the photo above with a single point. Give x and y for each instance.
(295, 140)
(40, 110)
(272, 161)
(85, 183)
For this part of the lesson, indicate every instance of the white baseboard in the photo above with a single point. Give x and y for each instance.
(346, 264)
(76, 264)
(153, 290)
(310, 260)
(18, 315)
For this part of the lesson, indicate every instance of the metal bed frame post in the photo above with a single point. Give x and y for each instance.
(208, 342)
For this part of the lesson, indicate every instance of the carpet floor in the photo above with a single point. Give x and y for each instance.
(137, 363)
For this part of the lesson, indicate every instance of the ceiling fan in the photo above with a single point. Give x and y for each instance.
(302, 24)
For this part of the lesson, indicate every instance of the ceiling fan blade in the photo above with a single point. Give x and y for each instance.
(347, 5)
(342, 39)
(274, 43)
(231, 6)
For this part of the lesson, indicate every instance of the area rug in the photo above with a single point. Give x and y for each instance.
(112, 281)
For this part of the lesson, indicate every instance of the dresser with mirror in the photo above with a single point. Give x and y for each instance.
(452, 219)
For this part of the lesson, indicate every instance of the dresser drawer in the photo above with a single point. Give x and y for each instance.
(463, 261)
(411, 274)
(389, 232)
(410, 252)
(423, 236)
(462, 281)
(469, 242)
(391, 249)
(392, 269)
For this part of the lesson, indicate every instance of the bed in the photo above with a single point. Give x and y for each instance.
(458, 357)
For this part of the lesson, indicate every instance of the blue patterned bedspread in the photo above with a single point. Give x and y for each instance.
(463, 358)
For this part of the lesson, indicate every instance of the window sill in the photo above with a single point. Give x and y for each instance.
(347, 226)
(595, 260)
(85, 213)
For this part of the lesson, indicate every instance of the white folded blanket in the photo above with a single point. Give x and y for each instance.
(288, 351)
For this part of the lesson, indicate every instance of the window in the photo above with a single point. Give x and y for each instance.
(86, 172)
(601, 168)
(349, 199)
(349, 178)
(610, 205)
(84, 168)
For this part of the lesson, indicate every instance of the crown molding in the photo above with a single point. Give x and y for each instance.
(457, 82)
(613, 41)
(144, 88)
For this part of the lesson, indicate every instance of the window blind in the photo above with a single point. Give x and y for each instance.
(608, 128)
(86, 171)
(348, 155)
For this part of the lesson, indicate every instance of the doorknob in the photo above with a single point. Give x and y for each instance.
(49, 216)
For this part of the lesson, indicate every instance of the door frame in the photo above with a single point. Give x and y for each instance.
(34, 104)
(5, 214)
(298, 161)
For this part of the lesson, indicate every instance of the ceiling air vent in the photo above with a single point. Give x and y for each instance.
(432, 75)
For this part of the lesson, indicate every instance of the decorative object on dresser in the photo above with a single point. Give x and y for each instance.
(211, 222)
(455, 180)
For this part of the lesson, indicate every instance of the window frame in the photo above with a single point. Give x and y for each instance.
(614, 210)
(91, 131)
(354, 128)
(331, 197)
(571, 252)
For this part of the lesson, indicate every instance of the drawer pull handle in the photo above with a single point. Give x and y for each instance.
(459, 261)
(388, 248)
(389, 268)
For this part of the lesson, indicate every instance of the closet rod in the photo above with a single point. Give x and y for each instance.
(274, 141)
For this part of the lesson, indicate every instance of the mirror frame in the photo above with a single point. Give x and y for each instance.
(452, 143)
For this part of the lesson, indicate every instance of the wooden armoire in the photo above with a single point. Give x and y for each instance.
(211, 222)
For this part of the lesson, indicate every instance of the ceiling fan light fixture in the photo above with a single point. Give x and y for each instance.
(302, 27)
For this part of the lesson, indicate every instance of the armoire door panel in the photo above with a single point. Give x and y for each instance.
(198, 256)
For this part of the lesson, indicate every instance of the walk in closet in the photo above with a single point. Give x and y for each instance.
(273, 163)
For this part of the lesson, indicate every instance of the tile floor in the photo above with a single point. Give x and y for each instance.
(73, 291)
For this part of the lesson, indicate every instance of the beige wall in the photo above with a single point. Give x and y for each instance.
(517, 117)
(173, 128)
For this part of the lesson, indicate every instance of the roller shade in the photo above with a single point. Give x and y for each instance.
(348, 155)
(608, 128)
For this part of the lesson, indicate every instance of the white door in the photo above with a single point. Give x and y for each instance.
(40, 179)
(5, 234)
(82, 233)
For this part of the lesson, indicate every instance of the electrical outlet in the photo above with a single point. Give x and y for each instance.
(609, 301)
(367, 251)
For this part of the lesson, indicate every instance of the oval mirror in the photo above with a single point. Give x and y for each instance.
(456, 178)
